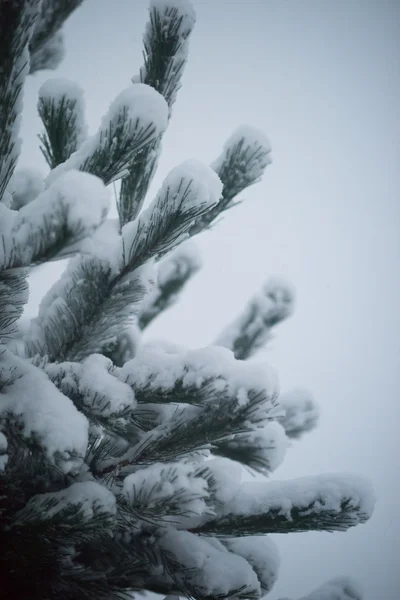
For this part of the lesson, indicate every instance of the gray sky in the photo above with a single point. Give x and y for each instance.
(321, 78)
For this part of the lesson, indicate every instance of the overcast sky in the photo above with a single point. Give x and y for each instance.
(321, 78)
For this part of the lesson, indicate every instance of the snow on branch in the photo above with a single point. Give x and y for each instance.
(135, 118)
(190, 190)
(83, 310)
(61, 108)
(262, 449)
(210, 395)
(195, 376)
(319, 503)
(99, 292)
(204, 569)
(251, 330)
(166, 46)
(16, 24)
(44, 46)
(174, 271)
(25, 185)
(82, 510)
(241, 164)
(65, 213)
(166, 493)
(165, 54)
(301, 412)
(38, 413)
(262, 554)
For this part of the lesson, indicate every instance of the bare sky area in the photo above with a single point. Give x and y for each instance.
(321, 78)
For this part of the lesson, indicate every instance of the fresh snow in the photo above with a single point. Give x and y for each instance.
(97, 382)
(43, 412)
(139, 102)
(25, 185)
(261, 553)
(56, 90)
(154, 368)
(209, 567)
(324, 492)
(189, 186)
(171, 491)
(84, 199)
(90, 497)
(254, 140)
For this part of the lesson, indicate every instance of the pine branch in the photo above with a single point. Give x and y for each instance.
(261, 553)
(17, 18)
(53, 14)
(251, 330)
(192, 430)
(262, 450)
(205, 570)
(165, 55)
(301, 412)
(173, 274)
(82, 311)
(61, 109)
(241, 164)
(97, 295)
(322, 503)
(25, 185)
(135, 118)
(123, 348)
(57, 219)
(41, 413)
(50, 55)
(165, 494)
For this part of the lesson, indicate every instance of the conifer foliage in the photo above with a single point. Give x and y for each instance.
(120, 461)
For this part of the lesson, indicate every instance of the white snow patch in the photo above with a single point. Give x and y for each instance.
(44, 412)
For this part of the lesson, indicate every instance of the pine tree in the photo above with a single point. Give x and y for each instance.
(121, 461)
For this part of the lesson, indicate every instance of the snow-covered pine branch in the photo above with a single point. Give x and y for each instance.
(261, 553)
(211, 395)
(319, 503)
(46, 45)
(17, 19)
(251, 330)
(173, 273)
(25, 185)
(340, 588)
(262, 449)
(165, 53)
(61, 216)
(61, 108)
(242, 163)
(301, 412)
(34, 414)
(99, 292)
(203, 568)
(136, 117)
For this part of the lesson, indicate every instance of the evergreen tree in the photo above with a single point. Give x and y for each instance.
(121, 461)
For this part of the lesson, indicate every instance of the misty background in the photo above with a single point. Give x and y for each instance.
(321, 79)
